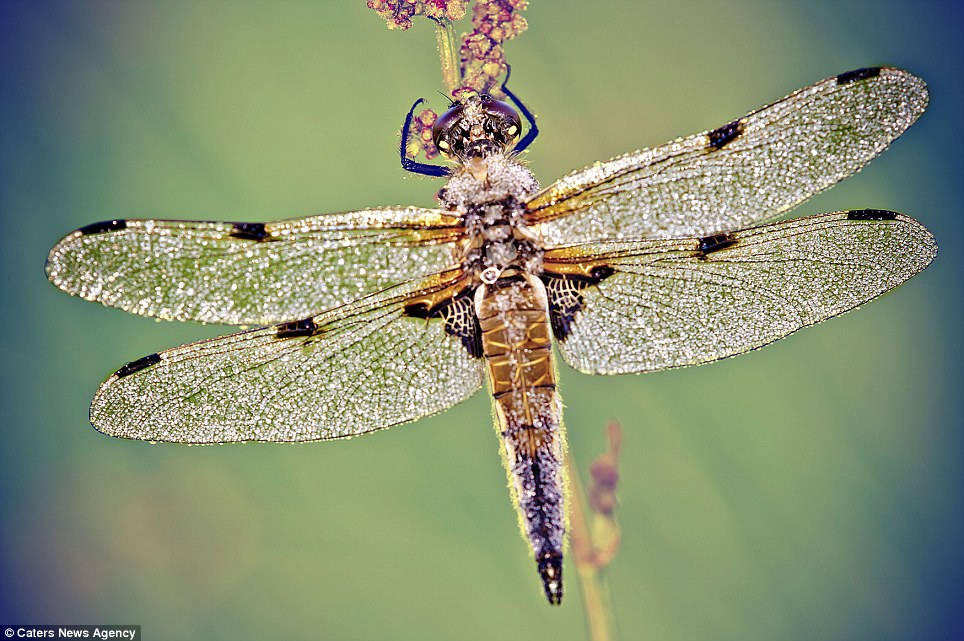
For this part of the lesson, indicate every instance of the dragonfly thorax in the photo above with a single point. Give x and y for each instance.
(499, 243)
(489, 194)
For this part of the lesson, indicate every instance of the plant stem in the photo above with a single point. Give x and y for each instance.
(595, 590)
(448, 53)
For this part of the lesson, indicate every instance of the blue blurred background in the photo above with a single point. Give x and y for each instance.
(811, 490)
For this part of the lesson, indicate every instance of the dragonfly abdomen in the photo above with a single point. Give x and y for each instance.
(514, 317)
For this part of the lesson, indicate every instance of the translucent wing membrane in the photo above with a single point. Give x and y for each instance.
(747, 171)
(250, 273)
(672, 303)
(353, 370)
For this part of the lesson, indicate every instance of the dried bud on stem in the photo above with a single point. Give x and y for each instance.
(398, 13)
(605, 474)
(420, 136)
(482, 54)
(595, 534)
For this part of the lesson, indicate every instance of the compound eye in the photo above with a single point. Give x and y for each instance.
(504, 117)
(442, 128)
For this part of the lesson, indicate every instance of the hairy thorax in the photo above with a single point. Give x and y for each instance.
(489, 194)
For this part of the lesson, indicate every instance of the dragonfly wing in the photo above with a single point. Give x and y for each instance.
(250, 273)
(665, 303)
(748, 171)
(372, 364)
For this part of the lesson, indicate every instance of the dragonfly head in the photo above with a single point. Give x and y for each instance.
(476, 127)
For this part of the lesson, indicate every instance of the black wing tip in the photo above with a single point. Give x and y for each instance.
(303, 327)
(726, 134)
(871, 214)
(249, 231)
(857, 75)
(138, 365)
(716, 242)
(102, 226)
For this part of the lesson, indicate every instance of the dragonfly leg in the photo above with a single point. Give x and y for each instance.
(410, 164)
(533, 129)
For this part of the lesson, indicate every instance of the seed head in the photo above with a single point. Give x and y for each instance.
(482, 54)
(398, 13)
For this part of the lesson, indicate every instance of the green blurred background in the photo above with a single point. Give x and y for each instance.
(811, 490)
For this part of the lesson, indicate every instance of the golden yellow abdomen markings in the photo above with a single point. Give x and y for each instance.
(513, 314)
(517, 347)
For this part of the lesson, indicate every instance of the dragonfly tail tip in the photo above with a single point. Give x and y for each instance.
(550, 569)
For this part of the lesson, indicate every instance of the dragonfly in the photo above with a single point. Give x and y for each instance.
(661, 258)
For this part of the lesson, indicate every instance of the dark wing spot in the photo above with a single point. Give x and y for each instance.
(138, 365)
(857, 75)
(716, 242)
(417, 310)
(101, 227)
(566, 299)
(870, 214)
(600, 273)
(459, 316)
(303, 327)
(249, 231)
(726, 134)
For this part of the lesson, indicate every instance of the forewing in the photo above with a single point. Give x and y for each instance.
(748, 171)
(671, 303)
(250, 273)
(366, 366)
